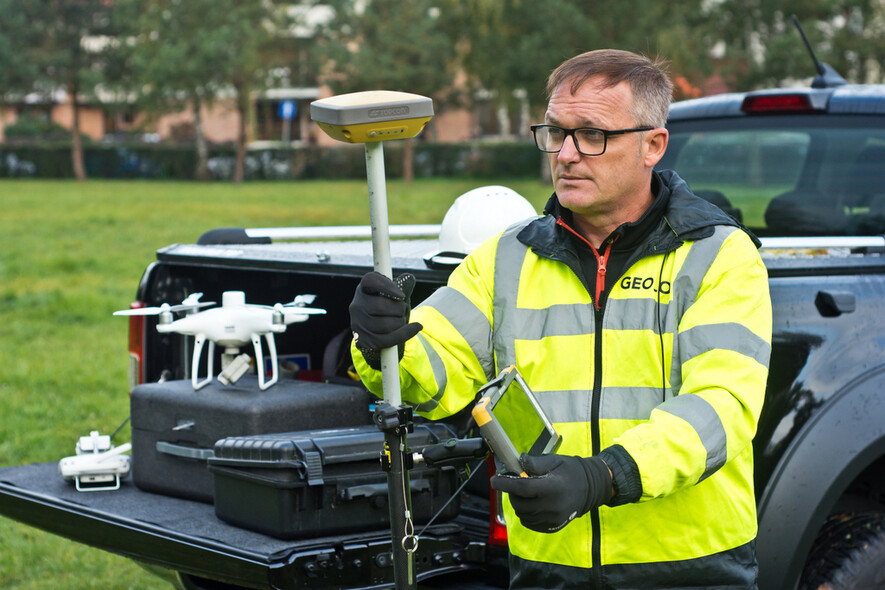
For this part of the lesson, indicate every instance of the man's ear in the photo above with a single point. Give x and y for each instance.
(654, 146)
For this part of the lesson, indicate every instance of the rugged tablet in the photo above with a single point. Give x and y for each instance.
(512, 421)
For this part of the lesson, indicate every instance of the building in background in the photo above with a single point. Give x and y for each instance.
(107, 121)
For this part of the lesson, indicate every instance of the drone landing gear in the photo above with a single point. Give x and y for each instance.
(199, 341)
(259, 360)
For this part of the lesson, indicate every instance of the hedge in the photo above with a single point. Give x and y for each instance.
(470, 160)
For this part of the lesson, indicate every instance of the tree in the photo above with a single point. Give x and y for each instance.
(190, 53)
(175, 60)
(684, 37)
(509, 47)
(763, 47)
(387, 45)
(78, 49)
(60, 45)
(18, 75)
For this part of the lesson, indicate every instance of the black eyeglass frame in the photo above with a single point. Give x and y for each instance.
(571, 132)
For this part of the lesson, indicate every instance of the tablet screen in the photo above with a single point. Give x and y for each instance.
(520, 421)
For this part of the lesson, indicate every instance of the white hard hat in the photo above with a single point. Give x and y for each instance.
(479, 214)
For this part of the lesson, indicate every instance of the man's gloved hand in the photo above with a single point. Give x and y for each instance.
(379, 315)
(559, 489)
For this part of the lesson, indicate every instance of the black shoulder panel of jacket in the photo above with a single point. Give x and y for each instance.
(692, 217)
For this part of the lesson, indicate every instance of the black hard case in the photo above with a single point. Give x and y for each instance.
(299, 484)
(174, 428)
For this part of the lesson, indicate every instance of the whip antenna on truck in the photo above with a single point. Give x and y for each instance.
(827, 77)
(372, 117)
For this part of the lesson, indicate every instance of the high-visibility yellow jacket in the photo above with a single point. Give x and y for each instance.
(664, 376)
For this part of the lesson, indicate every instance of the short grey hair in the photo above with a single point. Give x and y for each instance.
(651, 86)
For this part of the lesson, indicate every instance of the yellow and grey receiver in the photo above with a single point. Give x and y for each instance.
(512, 421)
(372, 115)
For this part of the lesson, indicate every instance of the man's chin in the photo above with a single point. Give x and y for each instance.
(573, 193)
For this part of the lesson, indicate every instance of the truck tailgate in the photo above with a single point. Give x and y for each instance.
(186, 536)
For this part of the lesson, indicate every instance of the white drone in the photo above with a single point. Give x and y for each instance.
(232, 326)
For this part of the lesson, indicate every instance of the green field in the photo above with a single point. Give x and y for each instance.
(72, 253)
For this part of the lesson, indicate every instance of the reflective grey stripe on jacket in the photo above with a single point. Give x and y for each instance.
(473, 326)
(512, 323)
(695, 341)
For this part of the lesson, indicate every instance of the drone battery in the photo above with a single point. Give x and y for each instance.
(174, 427)
(299, 484)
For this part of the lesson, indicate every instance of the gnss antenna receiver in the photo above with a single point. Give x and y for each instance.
(372, 117)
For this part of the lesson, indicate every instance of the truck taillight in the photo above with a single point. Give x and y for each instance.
(136, 346)
(777, 103)
(497, 526)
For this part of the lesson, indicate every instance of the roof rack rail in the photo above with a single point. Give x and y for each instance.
(822, 242)
(342, 232)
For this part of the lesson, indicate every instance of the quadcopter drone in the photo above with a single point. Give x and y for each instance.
(233, 325)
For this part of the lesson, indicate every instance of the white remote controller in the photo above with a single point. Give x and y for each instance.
(97, 466)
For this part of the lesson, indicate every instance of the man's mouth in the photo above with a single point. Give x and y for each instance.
(570, 177)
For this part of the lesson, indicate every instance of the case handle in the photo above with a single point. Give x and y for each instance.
(182, 451)
(371, 490)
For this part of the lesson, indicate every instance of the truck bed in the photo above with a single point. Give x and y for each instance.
(184, 535)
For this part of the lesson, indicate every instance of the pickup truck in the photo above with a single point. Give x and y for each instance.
(803, 168)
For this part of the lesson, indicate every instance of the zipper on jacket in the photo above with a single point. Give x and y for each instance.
(601, 260)
(601, 263)
(595, 523)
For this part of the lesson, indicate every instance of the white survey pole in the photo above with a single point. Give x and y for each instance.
(381, 258)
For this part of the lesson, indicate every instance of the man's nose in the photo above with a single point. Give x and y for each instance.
(569, 151)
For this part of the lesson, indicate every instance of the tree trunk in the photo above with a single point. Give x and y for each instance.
(409, 161)
(202, 170)
(76, 136)
(243, 111)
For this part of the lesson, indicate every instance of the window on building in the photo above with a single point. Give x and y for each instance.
(270, 124)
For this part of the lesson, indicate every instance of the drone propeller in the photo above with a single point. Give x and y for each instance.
(303, 299)
(191, 302)
(297, 306)
(298, 309)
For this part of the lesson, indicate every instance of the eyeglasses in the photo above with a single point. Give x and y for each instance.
(589, 141)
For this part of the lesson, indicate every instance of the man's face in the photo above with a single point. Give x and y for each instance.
(599, 186)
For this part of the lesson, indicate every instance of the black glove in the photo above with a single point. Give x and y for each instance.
(559, 489)
(379, 315)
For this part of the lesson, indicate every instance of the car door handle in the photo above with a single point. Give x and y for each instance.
(831, 304)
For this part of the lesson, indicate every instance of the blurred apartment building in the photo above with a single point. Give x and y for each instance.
(106, 121)
(104, 118)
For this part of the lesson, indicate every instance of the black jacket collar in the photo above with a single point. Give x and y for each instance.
(676, 215)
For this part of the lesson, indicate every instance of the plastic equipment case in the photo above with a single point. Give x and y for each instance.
(174, 428)
(298, 484)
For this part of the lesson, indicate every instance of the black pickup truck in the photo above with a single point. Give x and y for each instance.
(803, 168)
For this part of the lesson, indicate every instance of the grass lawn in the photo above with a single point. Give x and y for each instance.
(72, 253)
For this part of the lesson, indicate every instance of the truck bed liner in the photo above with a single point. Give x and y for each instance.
(185, 535)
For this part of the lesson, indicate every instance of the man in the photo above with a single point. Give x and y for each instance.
(640, 316)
